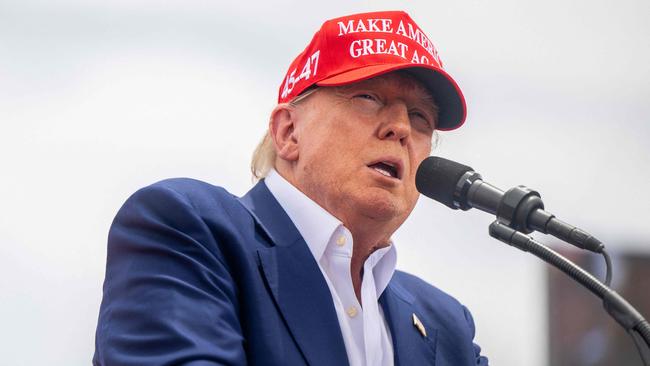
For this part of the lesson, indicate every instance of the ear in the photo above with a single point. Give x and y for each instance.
(282, 127)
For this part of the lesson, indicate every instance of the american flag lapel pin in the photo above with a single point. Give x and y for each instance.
(418, 324)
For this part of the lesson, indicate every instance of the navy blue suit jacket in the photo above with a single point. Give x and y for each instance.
(197, 276)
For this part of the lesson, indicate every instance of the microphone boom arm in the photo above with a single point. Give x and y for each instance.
(617, 307)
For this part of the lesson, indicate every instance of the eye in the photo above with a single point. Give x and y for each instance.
(366, 96)
(421, 119)
(366, 102)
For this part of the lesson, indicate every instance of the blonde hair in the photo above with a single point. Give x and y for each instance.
(263, 158)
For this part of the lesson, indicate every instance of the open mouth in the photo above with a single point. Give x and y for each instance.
(387, 169)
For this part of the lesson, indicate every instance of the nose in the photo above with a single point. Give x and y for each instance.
(396, 124)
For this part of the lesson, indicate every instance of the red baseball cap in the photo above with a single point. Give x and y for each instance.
(361, 46)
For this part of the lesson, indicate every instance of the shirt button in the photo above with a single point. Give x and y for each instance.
(340, 241)
(352, 311)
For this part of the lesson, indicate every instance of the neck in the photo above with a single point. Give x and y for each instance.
(368, 233)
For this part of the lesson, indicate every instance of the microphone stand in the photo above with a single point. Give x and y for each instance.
(615, 305)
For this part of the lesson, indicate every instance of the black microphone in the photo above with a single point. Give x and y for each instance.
(460, 187)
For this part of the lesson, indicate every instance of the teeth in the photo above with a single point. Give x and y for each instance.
(382, 171)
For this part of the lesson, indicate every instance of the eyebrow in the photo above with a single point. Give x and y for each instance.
(406, 82)
(409, 83)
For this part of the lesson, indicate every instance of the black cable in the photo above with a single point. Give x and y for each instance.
(643, 328)
(608, 263)
(639, 343)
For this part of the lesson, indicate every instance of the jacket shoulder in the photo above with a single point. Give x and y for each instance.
(200, 197)
(187, 205)
(173, 252)
(190, 188)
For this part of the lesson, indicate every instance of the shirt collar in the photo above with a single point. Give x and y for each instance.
(317, 227)
(383, 262)
(314, 223)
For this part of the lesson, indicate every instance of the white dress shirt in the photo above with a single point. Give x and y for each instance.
(365, 332)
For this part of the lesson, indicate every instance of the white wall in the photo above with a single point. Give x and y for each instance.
(100, 98)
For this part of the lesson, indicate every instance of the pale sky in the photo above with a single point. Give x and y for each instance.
(98, 99)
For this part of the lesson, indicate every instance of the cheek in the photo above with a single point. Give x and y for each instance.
(334, 141)
(423, 144)
(323, 145)
(412, 197)
(421, 150)
(327, 156)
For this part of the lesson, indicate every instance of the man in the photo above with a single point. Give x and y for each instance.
(301, 270)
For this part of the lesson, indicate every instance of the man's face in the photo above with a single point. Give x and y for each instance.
(359, 147)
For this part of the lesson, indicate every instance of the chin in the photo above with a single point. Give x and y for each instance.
(381, 205)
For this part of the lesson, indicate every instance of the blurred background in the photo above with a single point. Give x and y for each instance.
(99, 98)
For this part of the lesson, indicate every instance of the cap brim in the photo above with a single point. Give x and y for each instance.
(445, 91)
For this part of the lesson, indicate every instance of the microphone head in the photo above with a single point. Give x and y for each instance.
(437, 178)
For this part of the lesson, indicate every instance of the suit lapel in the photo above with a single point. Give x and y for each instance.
(410, 346)
(297, 284)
